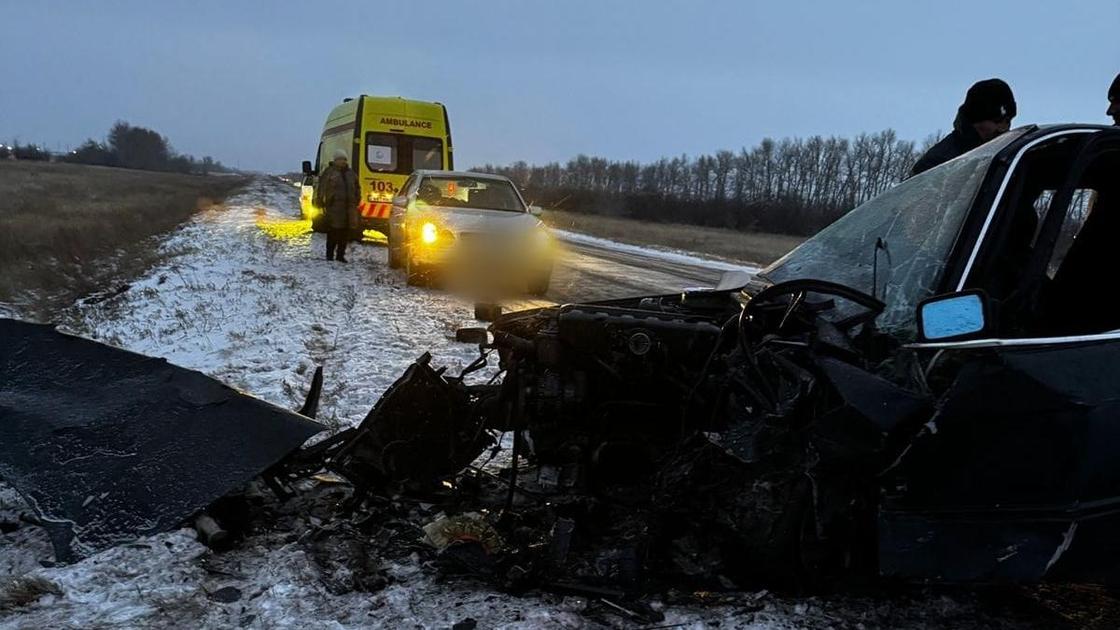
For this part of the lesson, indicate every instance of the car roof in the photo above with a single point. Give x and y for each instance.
(1059, 126)
(1035, 131)
(1030, 133)
(426, 173)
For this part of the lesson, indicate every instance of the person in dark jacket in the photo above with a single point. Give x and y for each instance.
(337, 193)
(986, 112)
(1114, 101)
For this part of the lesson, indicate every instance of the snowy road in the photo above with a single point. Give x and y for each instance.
(244, 296)
(595, 269)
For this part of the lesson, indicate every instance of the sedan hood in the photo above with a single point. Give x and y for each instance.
(460, 220)
(108, 446)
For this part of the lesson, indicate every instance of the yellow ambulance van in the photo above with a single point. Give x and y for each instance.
(387, 137)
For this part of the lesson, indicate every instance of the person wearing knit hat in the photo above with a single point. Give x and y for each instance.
(1114, 101)
(337, 193)
(986, 112)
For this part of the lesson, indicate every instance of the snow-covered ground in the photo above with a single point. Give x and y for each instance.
(245, 296)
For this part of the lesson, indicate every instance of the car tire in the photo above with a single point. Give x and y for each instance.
(416, 274)
(396, 254)
(538, 286)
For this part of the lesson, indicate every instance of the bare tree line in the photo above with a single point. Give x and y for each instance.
(126, 146)
(130, 146)
(794, 185)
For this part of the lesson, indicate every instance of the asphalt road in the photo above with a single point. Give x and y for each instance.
(587, 271)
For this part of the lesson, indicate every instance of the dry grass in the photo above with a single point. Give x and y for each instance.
(25, 590)
(722, 243)
(67, 230)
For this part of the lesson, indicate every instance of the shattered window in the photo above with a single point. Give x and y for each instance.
(917, 221)
(1070, 299)
(1080, 206)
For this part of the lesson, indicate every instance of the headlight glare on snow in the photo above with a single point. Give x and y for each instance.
(429, 233)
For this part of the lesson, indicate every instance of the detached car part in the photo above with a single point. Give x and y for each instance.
(423, 429)
(108, 445)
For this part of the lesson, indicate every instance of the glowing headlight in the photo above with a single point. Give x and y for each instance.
(429, 233)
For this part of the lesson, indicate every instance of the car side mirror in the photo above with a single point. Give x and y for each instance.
(401, 201)
(306, 167)
(479, 336)
(953, 316)
(535, 211)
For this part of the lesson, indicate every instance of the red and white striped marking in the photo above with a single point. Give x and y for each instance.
(375, 210)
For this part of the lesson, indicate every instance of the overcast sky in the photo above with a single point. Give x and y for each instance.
(251, 82)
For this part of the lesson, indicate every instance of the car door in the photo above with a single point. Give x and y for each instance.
(1017, 474)
(306, 195)
(399, 211)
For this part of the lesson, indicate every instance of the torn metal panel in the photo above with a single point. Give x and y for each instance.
(751, 516)
(423, 429)
(107, 445)
(966, 547)
(1022, 449)
(878, 400)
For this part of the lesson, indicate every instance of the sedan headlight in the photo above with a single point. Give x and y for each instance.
(429, 233)
(542, 238)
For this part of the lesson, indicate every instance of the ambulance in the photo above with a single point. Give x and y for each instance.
(387, 137)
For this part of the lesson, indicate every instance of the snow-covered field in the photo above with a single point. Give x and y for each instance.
(245, 296)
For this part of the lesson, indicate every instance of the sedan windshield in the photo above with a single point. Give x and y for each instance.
(470, 192)
(899, 240)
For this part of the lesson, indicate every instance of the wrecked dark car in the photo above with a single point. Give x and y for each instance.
(925, 390)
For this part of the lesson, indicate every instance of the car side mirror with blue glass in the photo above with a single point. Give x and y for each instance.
(953, 316)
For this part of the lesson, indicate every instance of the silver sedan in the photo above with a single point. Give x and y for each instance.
(471, 224)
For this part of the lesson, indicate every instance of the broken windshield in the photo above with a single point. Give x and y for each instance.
(899, 240)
